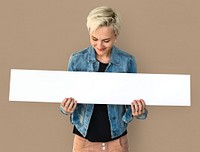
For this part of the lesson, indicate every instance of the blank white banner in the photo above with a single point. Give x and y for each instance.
(99, 87)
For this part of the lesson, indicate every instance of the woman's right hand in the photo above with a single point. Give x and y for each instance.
(68, 105)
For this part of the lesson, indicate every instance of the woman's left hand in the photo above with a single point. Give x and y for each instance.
(138, 107)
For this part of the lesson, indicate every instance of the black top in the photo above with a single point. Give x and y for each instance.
(99, 127)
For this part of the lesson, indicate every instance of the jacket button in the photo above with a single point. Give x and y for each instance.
(114, 118)
(103, 144)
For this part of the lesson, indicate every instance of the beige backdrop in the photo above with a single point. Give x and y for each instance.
(163, 35)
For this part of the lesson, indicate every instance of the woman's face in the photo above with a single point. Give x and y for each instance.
(102, 40)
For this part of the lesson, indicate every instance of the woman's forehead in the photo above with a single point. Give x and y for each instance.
(103, 32)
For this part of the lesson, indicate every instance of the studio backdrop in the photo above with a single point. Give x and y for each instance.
(41, 35)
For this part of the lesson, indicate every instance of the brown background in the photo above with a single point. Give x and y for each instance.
(163, 35)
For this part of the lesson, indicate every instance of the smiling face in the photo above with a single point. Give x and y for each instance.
(102, 41)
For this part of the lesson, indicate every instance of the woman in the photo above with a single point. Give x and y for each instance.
(102, 127)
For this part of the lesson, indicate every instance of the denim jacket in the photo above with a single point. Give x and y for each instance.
(119, 115)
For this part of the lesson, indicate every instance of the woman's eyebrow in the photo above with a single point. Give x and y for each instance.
(94, 37)
(102, 39)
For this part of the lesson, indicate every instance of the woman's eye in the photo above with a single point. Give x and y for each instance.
(106, 41)
(95, 39)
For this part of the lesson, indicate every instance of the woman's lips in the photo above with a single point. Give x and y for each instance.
(100, 50)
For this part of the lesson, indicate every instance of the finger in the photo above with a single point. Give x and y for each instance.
(64, 102)
(71, 104)
(132, 107)
(74, 106)
(140, 105)
(136, 105)
(68, 102)
(143, 103)
(135, 108)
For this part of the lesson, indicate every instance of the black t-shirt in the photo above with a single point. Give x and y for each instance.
(99, 127)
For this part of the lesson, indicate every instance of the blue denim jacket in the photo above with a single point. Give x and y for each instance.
(119, 115)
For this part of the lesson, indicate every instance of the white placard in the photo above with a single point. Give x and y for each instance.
(99, 87)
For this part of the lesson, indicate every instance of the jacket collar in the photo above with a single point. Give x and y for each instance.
(114, 58)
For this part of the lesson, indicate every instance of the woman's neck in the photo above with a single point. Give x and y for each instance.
(103, 58)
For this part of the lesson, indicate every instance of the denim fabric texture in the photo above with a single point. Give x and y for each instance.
(119, 115)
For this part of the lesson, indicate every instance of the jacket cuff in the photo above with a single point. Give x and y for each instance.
(62, 111)
(143, 116)
(127, 117)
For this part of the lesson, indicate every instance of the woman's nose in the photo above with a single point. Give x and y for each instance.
(99, 44)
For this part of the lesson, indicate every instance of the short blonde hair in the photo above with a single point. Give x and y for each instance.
(103, 16)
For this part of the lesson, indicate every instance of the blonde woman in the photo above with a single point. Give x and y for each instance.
(102, 127)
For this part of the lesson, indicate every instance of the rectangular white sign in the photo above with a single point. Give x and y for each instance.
(99, 87)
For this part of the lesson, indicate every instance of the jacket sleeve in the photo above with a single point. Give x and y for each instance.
(127, 117)
(143, 116)
(132, 66)
(70, 66)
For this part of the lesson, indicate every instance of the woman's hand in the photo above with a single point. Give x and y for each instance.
(68, 105)
(138, 107)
